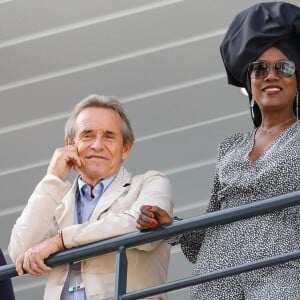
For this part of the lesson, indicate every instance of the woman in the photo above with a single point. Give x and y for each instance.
(261, 53)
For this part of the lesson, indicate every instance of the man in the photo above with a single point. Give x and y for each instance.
(103, 202)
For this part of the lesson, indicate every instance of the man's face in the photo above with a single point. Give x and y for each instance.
(99, 142)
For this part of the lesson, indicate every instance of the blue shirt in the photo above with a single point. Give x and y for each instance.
(86, 201)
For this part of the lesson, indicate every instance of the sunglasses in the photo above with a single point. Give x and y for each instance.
(261, 69)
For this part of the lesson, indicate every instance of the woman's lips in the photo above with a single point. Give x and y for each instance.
(272, 89)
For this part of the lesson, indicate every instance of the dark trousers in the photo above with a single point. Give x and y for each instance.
(6, 288)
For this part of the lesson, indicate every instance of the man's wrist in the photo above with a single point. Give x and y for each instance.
(61, 240)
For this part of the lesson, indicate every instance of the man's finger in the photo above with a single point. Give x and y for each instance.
(19, 265)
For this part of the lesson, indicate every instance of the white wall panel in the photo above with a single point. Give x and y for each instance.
(160, 57)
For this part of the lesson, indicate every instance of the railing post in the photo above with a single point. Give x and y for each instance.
(121, 273)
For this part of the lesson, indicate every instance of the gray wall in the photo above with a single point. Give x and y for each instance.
(161, 58)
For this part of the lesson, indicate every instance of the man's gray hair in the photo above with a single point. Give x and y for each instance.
(108, 102)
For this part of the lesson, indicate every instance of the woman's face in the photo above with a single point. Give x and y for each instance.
(274, 93)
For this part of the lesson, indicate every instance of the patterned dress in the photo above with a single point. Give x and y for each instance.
(240, 181)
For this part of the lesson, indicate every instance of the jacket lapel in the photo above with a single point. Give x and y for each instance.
(119, 185)
(65, 211)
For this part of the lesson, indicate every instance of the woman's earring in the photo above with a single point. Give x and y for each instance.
(252, 103)
(297, 105)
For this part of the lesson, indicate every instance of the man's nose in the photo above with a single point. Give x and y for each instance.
(97, 143)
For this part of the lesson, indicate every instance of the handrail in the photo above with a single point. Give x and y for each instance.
(203, 221)
(192, 280)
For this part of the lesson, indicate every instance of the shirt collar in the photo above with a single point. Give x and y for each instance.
(98, 190)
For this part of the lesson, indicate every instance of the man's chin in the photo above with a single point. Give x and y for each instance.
(94, 174)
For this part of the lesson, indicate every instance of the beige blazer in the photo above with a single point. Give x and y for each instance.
(51, 207)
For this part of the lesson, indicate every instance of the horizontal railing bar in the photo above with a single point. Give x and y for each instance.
(137, 238)
(193, 280)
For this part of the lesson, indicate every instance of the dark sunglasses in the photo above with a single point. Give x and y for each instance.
(261, 69)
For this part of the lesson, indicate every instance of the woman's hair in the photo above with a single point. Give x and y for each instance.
(97, 101)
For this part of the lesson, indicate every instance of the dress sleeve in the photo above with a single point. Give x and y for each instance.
(191, 242)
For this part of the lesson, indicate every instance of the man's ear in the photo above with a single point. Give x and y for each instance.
(126, 151)
(68, 141)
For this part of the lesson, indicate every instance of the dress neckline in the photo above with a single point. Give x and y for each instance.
(275, 141)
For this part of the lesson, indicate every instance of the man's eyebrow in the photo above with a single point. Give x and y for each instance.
(109, 132)
(85, 131)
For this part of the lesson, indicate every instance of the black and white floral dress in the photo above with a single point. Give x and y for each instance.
(240, 181)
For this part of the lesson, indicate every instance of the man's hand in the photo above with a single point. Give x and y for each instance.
(32, 261)
(63, 160)
(151, 216)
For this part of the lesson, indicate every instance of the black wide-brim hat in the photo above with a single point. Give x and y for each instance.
(256, 29)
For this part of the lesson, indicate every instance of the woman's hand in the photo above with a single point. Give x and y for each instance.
(152, 216)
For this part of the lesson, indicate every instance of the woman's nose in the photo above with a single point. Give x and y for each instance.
(272, 73)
